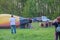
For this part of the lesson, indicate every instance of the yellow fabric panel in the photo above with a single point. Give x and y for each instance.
(4, 18)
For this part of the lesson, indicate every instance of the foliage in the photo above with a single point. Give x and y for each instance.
(31, 8)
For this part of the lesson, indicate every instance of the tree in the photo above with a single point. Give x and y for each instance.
(30, 9)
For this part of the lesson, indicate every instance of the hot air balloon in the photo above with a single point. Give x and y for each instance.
(4, 20)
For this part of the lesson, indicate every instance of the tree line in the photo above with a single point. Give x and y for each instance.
(31, 8)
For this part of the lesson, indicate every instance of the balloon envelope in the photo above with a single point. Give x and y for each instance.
(4, 20)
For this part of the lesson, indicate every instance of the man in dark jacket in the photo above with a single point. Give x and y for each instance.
(56, 23)
(29, 24)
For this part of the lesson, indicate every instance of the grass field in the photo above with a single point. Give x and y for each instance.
(36, 33)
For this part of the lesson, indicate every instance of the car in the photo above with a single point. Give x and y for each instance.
(23, 20)
(44, 18)
(36, 19)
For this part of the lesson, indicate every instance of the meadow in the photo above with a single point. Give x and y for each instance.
(36, 33)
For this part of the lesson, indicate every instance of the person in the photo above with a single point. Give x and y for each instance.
(42, 25)
(56, 23)
(29, 24)
(47, 23)
(13, 24)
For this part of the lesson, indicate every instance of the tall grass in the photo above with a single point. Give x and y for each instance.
(36, 33)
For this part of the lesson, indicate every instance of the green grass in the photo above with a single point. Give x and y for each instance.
(36, 33)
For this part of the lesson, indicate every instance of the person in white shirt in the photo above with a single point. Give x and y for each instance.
(13, 24)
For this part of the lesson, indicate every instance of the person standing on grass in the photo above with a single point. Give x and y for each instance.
(30, 23)
(56, 23)
(13, 24)
(46, 23)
